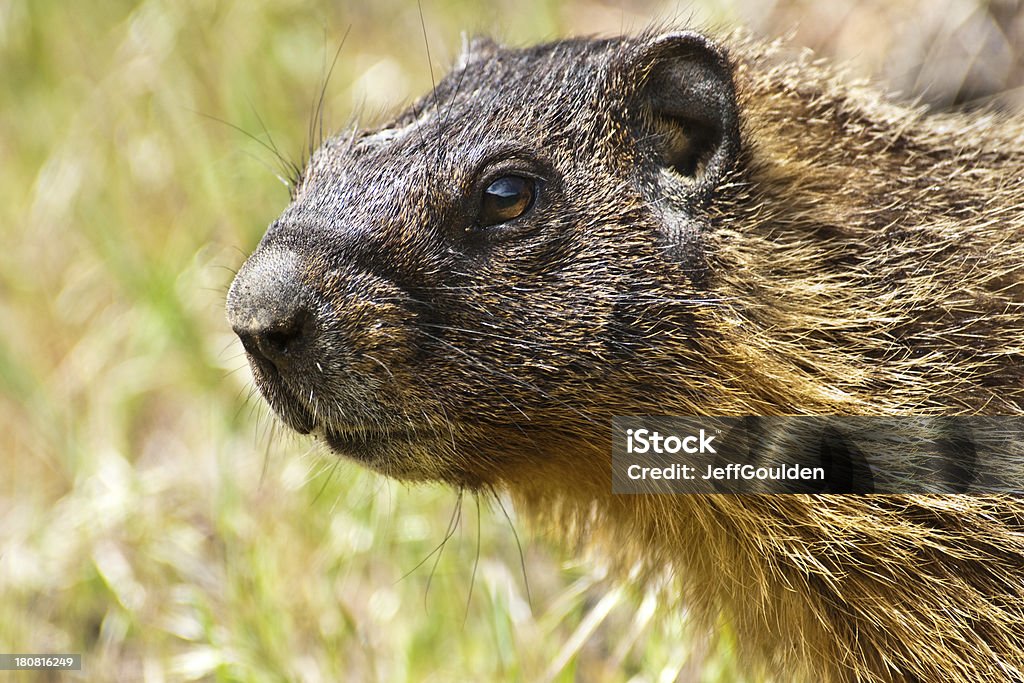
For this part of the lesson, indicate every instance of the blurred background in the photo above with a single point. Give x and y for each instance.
(153, 517)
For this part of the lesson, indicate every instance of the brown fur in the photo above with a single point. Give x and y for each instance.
(859, 257)
(874, 256)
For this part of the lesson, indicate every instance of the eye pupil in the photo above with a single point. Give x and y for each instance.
(506, 198)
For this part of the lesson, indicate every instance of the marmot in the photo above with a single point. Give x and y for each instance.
(668, 224)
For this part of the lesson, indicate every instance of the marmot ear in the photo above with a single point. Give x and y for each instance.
(474, 49)
(682, 84)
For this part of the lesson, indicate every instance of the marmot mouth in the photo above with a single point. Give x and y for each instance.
(362, 443)
(281, 398)
(352, 439)
(352, 444)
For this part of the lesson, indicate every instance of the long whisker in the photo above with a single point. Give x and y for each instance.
(316, 121)
(476, 563)
(439, 546)
(433, 92)
(452, 526)
(519, 546)
(287, 166)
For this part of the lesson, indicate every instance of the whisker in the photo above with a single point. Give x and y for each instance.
(519, 546)
(450, 532)
(453, 525)
(476, 563)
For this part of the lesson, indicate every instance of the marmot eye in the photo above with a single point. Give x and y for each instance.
(506, 198)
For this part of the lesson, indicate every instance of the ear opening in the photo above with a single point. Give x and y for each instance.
(683, 87)
(686, 147)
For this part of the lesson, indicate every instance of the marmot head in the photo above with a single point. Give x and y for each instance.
(500, 264)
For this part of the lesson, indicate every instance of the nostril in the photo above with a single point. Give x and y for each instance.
(277, 340)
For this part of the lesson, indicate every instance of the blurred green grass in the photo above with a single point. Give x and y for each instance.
(152, 517)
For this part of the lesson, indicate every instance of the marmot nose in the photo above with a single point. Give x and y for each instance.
(266, 308)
